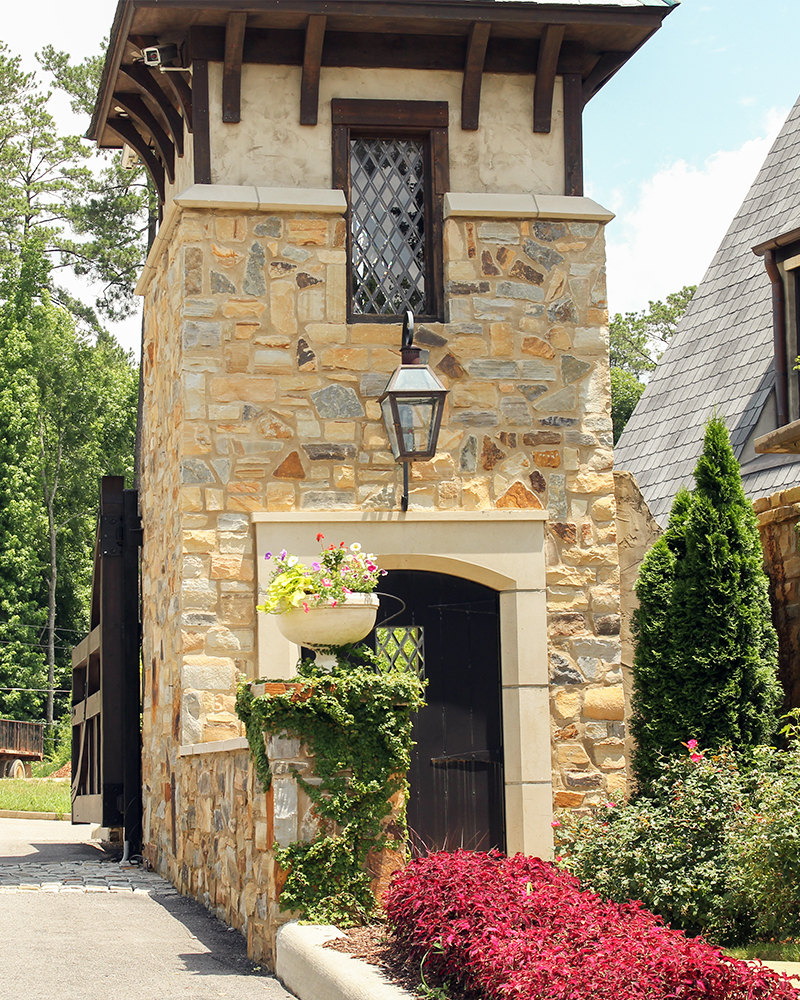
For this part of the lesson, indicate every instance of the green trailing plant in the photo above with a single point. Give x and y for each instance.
(356, 721)
(706, 654)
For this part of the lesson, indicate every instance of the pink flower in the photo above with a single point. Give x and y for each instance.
(610, 805)
(305, 606)
(695, 757)
(691, 745)
(556, 823)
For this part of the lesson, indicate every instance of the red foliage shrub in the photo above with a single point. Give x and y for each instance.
(520, 929)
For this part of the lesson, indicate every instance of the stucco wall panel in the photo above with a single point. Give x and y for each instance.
(270, 147)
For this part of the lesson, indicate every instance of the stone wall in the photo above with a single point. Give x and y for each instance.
(260, 397)
(637, 530)
(162, 558)
(778, 520)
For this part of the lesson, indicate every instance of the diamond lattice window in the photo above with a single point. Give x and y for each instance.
(387, 226)
(402, 646)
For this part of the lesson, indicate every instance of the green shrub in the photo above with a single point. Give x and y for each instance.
(714, 849)
(766, 847)
(706, 654)
(669, 849)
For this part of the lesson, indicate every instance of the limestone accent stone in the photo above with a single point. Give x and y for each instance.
(337, 401)
(193, 271)
(544, 256)
(573, 369)
(538, 347)
(519, 497)
(254, 283)
(221, 284)
(451, 367)
(290, 468)
(604, 703)
(329, 452)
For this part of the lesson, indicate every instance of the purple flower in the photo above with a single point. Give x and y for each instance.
(316, 567)
(267, 555)
(283, 554)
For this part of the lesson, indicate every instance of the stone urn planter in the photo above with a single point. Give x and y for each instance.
(329, 624)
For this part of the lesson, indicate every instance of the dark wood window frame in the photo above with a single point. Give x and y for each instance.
(423, 120)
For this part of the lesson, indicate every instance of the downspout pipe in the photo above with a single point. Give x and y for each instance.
(779, 336)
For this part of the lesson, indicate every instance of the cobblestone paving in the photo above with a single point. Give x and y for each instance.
(81, 876)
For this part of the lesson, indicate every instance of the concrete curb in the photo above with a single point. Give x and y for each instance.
(312, 972)
(11, 814)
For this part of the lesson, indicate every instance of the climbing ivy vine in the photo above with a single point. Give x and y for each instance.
(356, 721)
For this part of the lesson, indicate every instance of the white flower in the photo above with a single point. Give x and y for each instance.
(355, 547)
(292, 560)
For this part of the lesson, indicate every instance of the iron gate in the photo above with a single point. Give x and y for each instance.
(106, 738)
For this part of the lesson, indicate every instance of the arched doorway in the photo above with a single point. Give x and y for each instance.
(451, 628)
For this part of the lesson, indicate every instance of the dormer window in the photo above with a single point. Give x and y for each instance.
(390, 157)
(782, 262)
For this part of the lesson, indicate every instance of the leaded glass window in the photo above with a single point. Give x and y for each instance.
(387, 226)
(402, 646)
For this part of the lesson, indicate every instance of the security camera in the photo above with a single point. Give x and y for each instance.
(157, 55)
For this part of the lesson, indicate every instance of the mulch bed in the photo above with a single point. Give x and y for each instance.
(374, 945)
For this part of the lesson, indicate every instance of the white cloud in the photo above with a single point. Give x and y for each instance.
(667, 239)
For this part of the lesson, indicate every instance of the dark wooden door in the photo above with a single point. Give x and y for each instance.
(456, 776)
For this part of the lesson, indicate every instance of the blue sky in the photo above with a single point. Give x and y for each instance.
(672, 143)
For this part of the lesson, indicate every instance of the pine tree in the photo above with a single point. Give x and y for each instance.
(706, 655)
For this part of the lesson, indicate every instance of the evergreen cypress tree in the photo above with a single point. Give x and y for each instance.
(707, 653)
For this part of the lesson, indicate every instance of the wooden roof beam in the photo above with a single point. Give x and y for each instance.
(232, 67)
(312, 62)
(127, 131)
(572, 60)
(546, 66)
(139, 111)
(145, 80)
(473, 74)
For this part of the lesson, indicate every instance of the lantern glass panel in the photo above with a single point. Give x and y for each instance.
(388, 419)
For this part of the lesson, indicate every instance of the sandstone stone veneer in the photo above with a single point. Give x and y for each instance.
(260, 397)
(778, 520)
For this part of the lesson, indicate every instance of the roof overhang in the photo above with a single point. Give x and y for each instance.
(783, 441)
(598, 38)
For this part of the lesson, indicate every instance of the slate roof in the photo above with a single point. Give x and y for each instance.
(722, 354)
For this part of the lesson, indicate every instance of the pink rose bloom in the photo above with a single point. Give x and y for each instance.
(691, 745)
(695, 757)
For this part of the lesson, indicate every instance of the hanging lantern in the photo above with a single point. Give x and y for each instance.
(412, 403)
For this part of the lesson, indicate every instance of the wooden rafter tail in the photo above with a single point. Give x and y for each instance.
(127, 131)
(147, 81)
(312, 63)
(473, 74)
(232, 67)
(605, 67)
(546, 67)
(182, 92)
(139, 112)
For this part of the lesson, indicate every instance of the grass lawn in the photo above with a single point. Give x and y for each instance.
(769, 951)
(35, 795)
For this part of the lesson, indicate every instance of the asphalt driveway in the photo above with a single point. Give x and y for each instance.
(74, 925)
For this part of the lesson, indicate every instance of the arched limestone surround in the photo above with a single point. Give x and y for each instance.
(503, 550)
